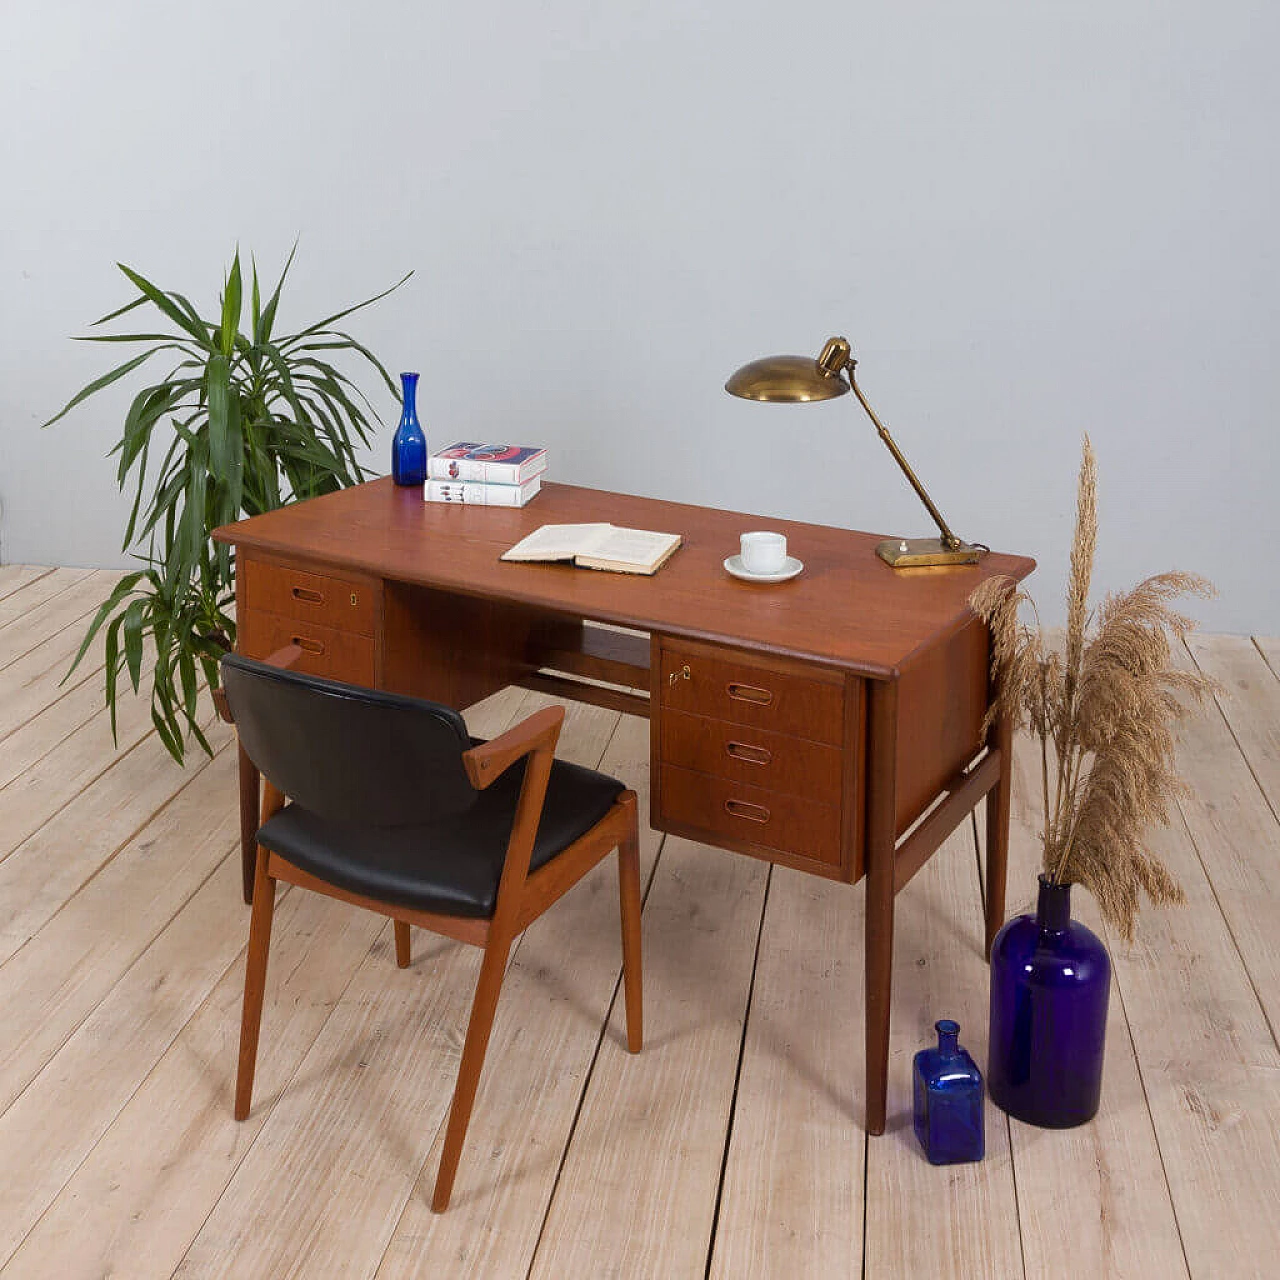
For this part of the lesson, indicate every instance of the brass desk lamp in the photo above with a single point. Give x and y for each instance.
(799, 379)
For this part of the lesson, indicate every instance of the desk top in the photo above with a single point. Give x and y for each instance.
(847, 608)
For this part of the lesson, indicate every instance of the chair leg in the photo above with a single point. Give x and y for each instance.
(403, 953)
(249, 822)
(255, 981)
(629, 895)
(492, 970)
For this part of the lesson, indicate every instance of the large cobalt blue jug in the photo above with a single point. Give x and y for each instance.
(1050, 983)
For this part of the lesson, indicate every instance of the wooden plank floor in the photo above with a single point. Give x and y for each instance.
(731, 1147)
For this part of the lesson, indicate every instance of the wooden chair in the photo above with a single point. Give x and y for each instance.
(394, 808)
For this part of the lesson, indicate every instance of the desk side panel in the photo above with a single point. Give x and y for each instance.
(942, 698)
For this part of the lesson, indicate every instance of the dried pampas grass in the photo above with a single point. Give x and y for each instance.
(1103, 710)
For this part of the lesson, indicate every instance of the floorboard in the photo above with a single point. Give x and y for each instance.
(1210, 1069)
(141, 1195)
(356, 1125)
(925, 1220)
(43, 871)
(60, 975)
(26, 610)
(75, 705)
(1269, 647)
(793, 1183)
(1251, 704)
(34, 682)
(78, 594)
(556, 995)
(730, 1146)
(13, 577)
(39, 791)
(1231, 823)
(1120, 1220)
(637, 1193)
(49, 1130)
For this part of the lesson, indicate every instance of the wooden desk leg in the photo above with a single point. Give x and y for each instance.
(881, 807)
(998, 828)
(248, 820)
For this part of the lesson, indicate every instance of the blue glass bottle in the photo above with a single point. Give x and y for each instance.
(1050, 984)
(947, 1098)
(409, 445)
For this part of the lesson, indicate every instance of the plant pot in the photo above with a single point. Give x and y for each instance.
(1050, 983)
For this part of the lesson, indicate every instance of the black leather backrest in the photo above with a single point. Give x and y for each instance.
(347, 753)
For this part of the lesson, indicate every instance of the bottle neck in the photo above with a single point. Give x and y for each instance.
(1053, 910)
(948, 1037)
(409, 385)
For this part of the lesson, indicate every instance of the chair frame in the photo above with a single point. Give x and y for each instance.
(522, 897)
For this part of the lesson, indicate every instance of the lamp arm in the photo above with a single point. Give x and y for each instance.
(949, 539)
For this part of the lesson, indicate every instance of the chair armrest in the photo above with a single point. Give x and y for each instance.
(285, 658)
(487, 762)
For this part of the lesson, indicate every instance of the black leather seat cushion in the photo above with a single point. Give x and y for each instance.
(449, 866)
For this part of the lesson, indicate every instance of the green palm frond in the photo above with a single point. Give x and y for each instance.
(242, 423)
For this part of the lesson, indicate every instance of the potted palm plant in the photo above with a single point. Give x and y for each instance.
(1101, 708)
(243, 421)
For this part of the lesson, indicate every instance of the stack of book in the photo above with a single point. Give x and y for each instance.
(485, 475)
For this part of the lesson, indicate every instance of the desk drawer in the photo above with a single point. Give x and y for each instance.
(344, 603)
(754, 756)
(719, 807)
(728, 688)
(339, 655)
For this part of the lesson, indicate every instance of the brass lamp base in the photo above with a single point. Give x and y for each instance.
(917, 553)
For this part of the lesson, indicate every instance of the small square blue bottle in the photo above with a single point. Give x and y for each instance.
(948, 1100)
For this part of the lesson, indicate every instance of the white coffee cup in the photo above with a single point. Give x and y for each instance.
(764, 552)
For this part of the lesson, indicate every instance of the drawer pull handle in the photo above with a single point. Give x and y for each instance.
(307, 596)
(752, 755)
(741, 809)
(309, 646)
(750, 693)
(683, 674)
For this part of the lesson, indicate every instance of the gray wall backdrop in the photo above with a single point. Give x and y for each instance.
(1031, 220)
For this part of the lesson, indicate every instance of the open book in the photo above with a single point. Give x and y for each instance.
(597, 546)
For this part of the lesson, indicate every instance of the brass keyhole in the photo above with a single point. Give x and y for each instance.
(683, 674)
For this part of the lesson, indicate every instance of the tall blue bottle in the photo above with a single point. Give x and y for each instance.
(1050, 983)
(409, 444)
(947, 1098)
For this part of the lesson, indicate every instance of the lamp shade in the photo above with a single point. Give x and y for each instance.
(786, 380)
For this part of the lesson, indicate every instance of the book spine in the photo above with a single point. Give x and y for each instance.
(479, 495)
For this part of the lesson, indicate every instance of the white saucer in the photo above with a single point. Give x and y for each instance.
(790, 567)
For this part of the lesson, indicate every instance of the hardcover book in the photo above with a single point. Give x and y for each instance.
(481, 495)
(598, 546)
(487, 463)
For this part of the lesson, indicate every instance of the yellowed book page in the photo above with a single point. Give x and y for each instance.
(557, 542)
(638, 550)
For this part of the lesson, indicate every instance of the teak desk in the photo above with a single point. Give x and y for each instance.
(811, 723)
